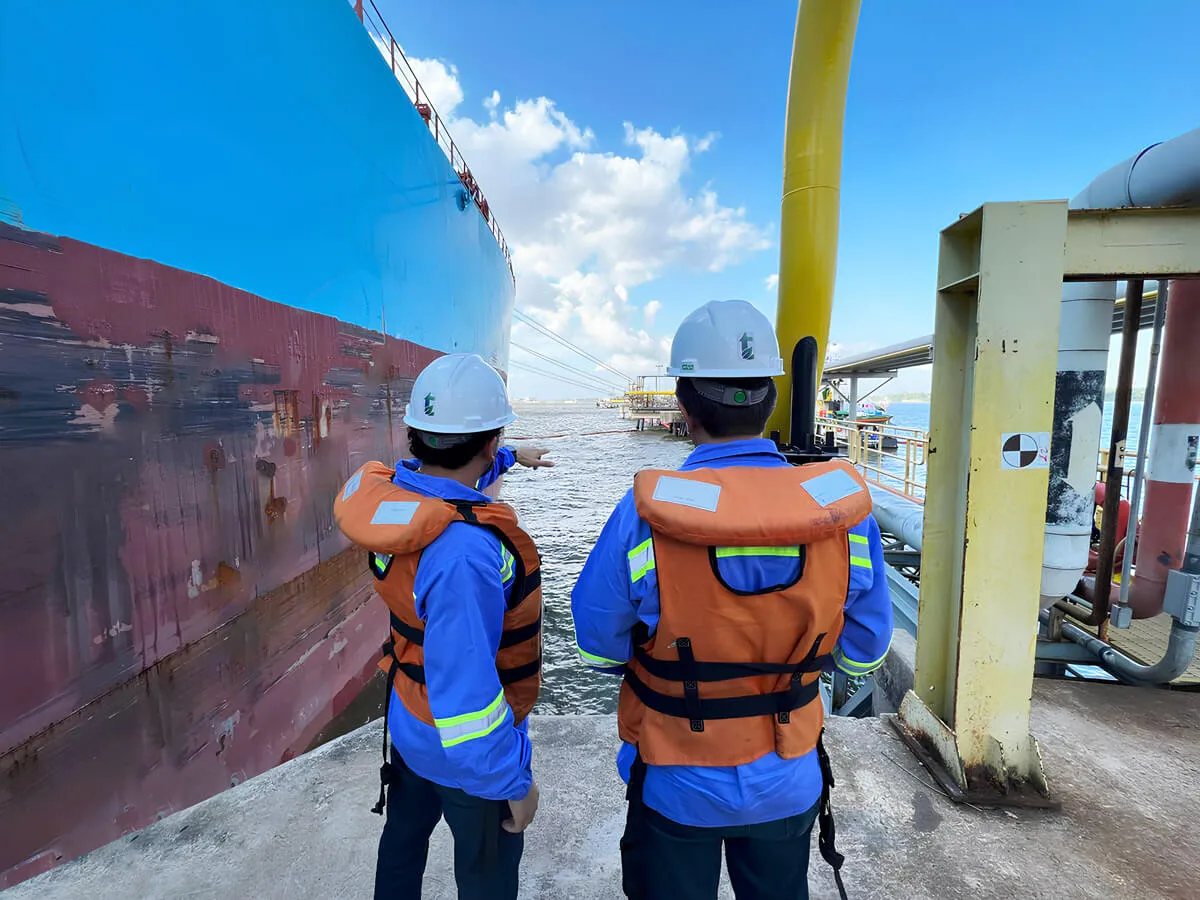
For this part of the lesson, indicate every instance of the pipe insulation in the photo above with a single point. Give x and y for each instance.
(898, 515)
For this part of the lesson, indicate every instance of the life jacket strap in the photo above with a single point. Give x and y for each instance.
(385, 770)
(509, 638)
(827, 833)
(688, 671)
(515, 636)
(672, 670)
(408, 632)
(749, 706)
(416, 673)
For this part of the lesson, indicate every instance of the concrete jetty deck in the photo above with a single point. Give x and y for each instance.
(1124, 762)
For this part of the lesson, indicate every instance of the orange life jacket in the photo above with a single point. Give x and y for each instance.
(395, 525)
(727, 676)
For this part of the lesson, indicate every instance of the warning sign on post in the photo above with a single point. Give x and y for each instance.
(1025, 450)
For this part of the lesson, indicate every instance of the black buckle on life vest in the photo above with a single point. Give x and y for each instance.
(689, 672)
(746, 706)
(691, 689)
(812, 662)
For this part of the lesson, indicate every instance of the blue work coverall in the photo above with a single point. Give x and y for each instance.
(467, 774)
(762, 810)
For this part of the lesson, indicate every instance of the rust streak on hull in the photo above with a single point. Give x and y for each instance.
(180, 611)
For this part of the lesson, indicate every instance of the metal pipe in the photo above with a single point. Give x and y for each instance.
(897, 515)
(812, 176)
(1135, 498)
(1181, 649)
(1165, 174)
(1170, 470)
(1102, 588)
(1181, 644)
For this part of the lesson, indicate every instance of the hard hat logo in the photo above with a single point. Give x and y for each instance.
(458, 394)
(747, 341)
(725, 339)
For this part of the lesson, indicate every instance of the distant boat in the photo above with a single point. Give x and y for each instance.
(869, 413)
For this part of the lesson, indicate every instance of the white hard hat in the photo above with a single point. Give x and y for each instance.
(458, 394)
(725, 339)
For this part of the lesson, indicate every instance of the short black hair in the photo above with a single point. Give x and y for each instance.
(722, 421)
(453, 457)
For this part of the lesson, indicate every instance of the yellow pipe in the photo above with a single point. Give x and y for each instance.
(812, 175)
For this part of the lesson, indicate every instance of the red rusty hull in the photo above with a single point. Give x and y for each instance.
(179, 610)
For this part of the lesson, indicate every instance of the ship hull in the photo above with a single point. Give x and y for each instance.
(180, 611)
(219, 276)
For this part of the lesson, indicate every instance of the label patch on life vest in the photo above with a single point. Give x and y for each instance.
(831, 487)
(395, 512)
(680, 491)
(352, 486)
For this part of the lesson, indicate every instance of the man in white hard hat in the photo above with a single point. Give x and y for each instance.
(462, 583)
(720, 592)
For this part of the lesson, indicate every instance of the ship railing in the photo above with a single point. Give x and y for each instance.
(368, 13)
(891, 456)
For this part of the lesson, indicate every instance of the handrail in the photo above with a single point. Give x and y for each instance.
(368, 13)
(865, 449)
(902, 470)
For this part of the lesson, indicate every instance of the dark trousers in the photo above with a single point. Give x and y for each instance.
(663, 860)
(486, 857)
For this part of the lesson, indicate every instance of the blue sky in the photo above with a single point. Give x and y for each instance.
(950, 104)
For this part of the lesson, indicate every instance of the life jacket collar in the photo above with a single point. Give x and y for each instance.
(749, 506)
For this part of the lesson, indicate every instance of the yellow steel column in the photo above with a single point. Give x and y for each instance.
(812, 174)
(999, 292)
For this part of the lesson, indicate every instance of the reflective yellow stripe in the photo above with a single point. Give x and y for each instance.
(469, 726)
(508, 564)
(641, 560)
(860, 558)
(725, 552)
(592, 659)
(857, 669)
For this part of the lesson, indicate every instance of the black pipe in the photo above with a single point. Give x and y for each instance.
(804, 394)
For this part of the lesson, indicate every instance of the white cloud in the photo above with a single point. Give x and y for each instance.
(772, 281)
(439, 85)
(587, 225)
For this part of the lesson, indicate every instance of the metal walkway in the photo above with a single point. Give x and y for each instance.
(886, 361)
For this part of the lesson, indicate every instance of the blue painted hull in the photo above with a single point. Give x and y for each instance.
(265, 145)
(228, 243)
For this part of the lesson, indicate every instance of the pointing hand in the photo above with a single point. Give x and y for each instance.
(532, 457)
